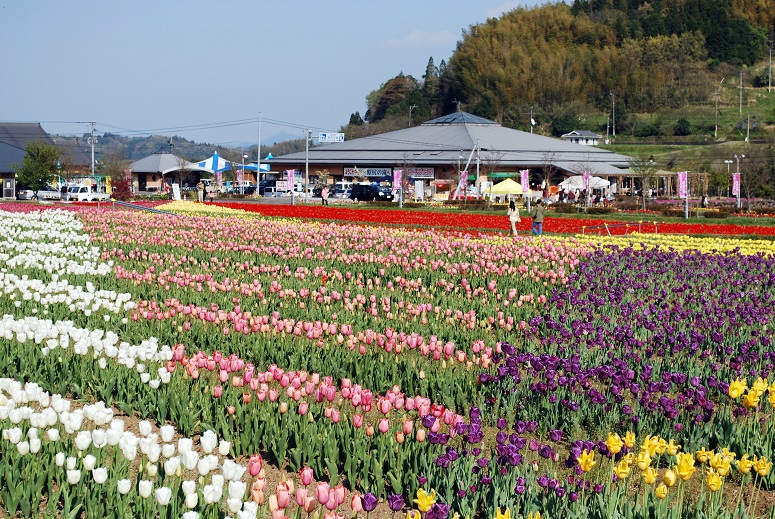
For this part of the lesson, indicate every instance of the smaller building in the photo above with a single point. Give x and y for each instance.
(583, 137)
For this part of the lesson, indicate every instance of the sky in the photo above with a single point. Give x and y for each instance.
(209, 70)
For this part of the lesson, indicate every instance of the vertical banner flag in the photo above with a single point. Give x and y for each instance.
(736, 184)
(525, 180)
(682, 180)
(462, 185)
(290, 177)
(587, 178)
(239, 176)
(219, 178)
(397, 174)
(128, 175)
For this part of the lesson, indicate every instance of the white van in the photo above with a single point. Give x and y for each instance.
(341, 186)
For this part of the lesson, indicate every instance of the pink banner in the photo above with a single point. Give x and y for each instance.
(397, 174)
(682, 184)
(524, 177)
(586, 178)
(239, 176)
(736, 184)
(463, 181)
(219, 178)
(290, 177)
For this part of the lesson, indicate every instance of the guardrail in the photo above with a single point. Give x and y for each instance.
(140, 207)
(627, 226)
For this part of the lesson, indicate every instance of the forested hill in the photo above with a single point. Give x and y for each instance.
(640, 55)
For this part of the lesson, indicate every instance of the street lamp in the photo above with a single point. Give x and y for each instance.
(613, 113)
(242, 184)
(728, 162)
(718, 94)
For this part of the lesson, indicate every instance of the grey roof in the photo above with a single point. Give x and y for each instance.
(13, 142)
(582, 133)
(163, 163)
(441, 141)
(10, 155)
(74, 152)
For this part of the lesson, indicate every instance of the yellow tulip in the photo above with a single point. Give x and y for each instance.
(629, 439)
(744, 465)
(614, 443)
(751, 399)
(772, 397)
(650, 444)
(534, 515)
(762, 466)
(643, 460)
(629, 458)
(506, 515)
(685, 466)
(760, 386)
(673, 448)
(649, 475)
(669, 478)
(661, 446)
(661, 491)
(425, 500)
(413, 514)
(703, 455)
(622, 469)
(586, 460)
(737, 387)
(714, 480)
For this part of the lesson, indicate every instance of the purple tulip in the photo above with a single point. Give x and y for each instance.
(369, 501)
(395, 502)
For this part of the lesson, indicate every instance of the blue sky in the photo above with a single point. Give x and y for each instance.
(204, 70)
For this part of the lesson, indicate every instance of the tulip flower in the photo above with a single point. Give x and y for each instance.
(144, 488)
(762, 466)
(124, 486)
(744, 465)
(661, 491)
(622, 470)
(425, 500)
(322, 491)
(643, 460)
(306, 474)
(614, 443)
(255, 463)
(163, 495)
(586, 461)
(355, 503)
(736, 388)
(669, 478)
(704, 455)
(504, 515)
(714, 480)
(73, 476)
(369, 501)
(685, 466)
(629, 439)
(751, 399)
(649, 475)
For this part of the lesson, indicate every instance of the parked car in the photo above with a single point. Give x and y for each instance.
(24, 193)
(370, 192)
(48, 193)
(84, 193)
(340, 193)
(265, 186)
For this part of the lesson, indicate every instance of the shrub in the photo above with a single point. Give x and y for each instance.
(682, 128)
(563, 208)
(666, 211)
(716, 214)
(600, 210)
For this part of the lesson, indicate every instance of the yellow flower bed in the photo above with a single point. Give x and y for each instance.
(681, 243)
(184, 206)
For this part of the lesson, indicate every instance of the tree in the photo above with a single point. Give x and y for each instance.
(355, 119)
(39, 165)
(682, 128)
(322, 177)
(114, 166)
(647, 170)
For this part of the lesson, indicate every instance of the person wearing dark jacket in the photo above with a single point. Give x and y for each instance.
(538, 219)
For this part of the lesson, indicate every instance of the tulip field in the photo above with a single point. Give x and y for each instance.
(214, 361)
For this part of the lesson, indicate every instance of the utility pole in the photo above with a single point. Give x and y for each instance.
(741, 92)
(748, 129)
(613, 114)
(91, 141)
(411, 108)
(769, 71)
(258, 156)
(718, 94)
(307, 135)
(532, 121)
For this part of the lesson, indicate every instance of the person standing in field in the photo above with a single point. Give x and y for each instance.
(200, 189)
(513, 214)
(538, 219)
(324, 196)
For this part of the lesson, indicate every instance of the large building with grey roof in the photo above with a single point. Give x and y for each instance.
(436, 150)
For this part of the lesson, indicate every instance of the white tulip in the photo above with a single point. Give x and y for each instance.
(100, 475)
(145, 378)
(13, 435)
(112, 436)
(154, 451)
(102, 363)
(191, 515)
(208, 441)
(165, 377)
(124, 486)
(167, 433)
(190, 459)
(59, 459)
(71, 461)
(89, 462)
(192, 500)
(234, 505)
(144, 488)
(232, 471)
(203, 467)
(129, 452)
(212, 494)
(83, 440)
(35, 445)
(152, 469)
(217, 480)
(185, 444)
(145, 427)
(224, 447)
(237, 489)
(163, 495)
(188, 487)
(99, 438)
(155, 383)
(73, 476)
(250, 510)
(117, 424)
(23, 447)
(52, 434)
(168, 450)
(171, 465)
(32, 434)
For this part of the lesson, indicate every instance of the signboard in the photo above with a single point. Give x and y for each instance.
(290, 177)
(397, 180)
(368, 172)
(736, 184)
(682, 184)
(330, 137)
(176, 191)
(420, 173)
(281, 185)
(419, 190)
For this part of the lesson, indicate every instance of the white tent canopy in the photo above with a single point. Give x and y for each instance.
(214, 164)
(577, 182)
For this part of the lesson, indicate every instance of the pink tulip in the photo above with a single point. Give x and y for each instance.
(355, 503)
(322, 491)
(301, 496)
(283, 407)
(255, 463)
(407, 427)
(358, 420)
(273, 395)
(217, 391)
(384, 425)
(420, 436)
(303, 408)
(306, 475)
(331, 504)
(340, 493)
(384, 405)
